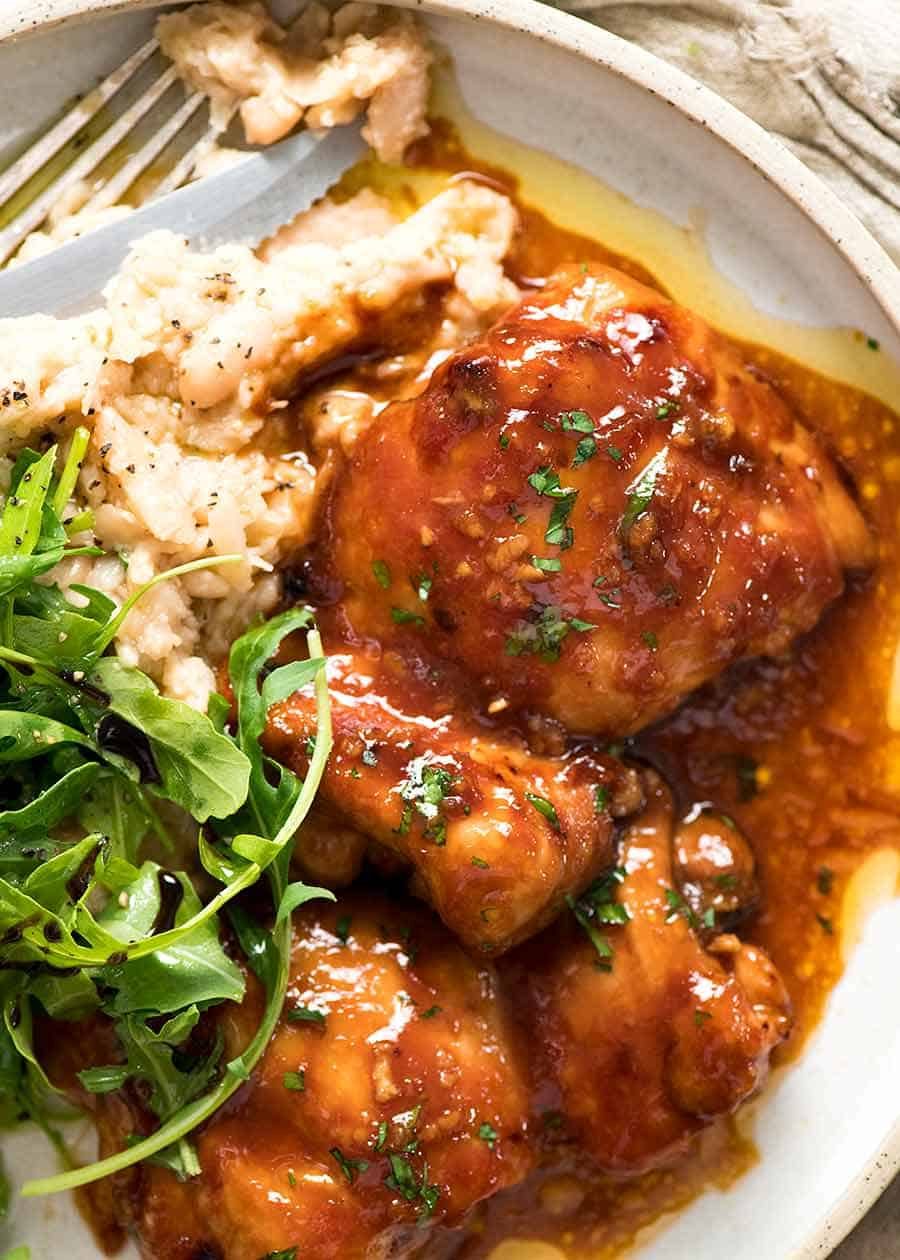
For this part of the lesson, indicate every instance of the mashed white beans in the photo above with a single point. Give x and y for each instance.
(178, 375)
(325, 68)
(193, 355)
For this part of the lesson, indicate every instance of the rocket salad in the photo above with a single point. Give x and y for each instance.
(93, 761)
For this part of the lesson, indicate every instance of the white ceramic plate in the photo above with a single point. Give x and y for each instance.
(828, 1129)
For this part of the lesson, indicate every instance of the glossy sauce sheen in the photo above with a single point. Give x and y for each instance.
(797, 751)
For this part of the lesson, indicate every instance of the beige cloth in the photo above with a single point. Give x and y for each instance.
(823, 75)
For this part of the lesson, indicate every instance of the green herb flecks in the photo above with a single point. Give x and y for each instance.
(545, 808)
(679, 908)
(412, 1187)
(546, 483)
(305, 1015)
(748, 785)
(597, 907)
(488, 1134)
(349, 1167)
(403, 617)
(543, 634)
(428, 783)
(641, 492)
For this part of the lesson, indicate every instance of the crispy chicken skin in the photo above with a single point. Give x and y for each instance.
(681, 518)
(460, 802)
(416, 1053)
(672, 1035)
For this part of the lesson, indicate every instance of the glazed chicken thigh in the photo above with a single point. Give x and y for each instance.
(592, 510)
(643, 1035)
(393, 1096)
(497, 835)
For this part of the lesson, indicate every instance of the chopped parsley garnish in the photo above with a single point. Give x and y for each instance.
(585, 450)
(726, 882)
(873, 343)
(342, 928)
(425, 788)
(641, 492)
(667, 409)
(546, 482)
(431, 1012)
(519, 517)
(825, 924)
(295, 1080)
(547, 564)
(403, 617)
(825, 880)
(701, 1016)
(601, 798)
(748, 786)
(598, 905)
(306, 1015)
(404, 1181)
(544, 633)
(545, 808)
(382, 574)
(381, 1137)
(558, 532)
(503, 441)
(488, 1134)
(650, 639)
(349, 1167)
(614, 454)
(678, 907)
(481, 864)
(288, 1253)
(576, 421)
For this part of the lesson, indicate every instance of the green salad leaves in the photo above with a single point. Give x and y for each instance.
(99, 775)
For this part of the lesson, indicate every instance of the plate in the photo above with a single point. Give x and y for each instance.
(739, 229)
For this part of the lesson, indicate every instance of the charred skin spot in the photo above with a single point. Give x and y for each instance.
(467, 398)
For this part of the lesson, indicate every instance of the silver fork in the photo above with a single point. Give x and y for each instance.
(154, 106)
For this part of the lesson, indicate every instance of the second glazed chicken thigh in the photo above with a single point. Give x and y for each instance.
(593, 509)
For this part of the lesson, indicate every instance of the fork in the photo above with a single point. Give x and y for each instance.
(157, 114)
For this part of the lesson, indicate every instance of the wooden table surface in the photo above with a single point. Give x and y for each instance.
(877, 1236)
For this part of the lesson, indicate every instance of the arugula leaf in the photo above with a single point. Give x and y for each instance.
(57, 802)
(199, 769)
(27, 735)
(104, 1080)
(249, 657)
(20, 525)
(194, 970)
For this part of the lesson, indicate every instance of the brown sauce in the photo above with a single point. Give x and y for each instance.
(797, 750)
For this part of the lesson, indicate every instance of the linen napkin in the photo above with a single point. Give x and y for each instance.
(823, 75)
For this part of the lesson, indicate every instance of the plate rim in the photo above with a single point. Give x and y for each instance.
(773, 161)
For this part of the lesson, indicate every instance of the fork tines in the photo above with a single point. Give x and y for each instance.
(138, 121)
